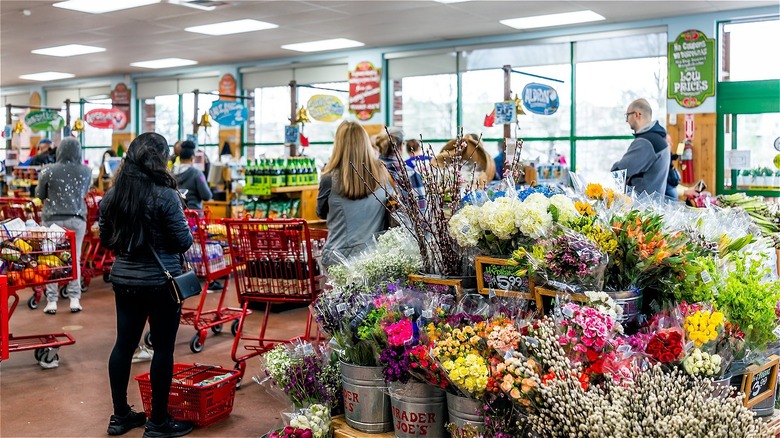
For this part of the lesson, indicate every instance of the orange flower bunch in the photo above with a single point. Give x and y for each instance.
(597, 192)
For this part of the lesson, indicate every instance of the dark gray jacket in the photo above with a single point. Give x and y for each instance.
(64, 184)
(191, 179)
(165, 228)
(647, 160)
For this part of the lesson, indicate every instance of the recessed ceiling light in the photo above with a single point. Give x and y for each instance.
(102, 6)
(552, 20)
(231, 27)
(68, 50)
(450, 1)
(207, 6)
(318, 46)
(164, 63)
(46, 76)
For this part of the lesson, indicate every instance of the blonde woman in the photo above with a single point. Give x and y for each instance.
(345, 198)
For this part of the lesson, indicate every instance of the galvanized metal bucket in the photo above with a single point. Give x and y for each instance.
(630, 302)
(366, 402)
(419, 409)
(464, 412)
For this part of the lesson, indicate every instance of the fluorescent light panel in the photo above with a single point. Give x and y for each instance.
(164, 63)
(552, 20)
(68, 50)
(189, 4)
(231, 27)
(451, 1)
(46, 76)
(102, 6)
(322, 45)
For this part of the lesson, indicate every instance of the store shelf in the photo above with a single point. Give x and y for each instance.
(342, 430)
(293, 189)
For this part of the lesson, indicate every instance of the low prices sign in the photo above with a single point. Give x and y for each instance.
(44, 121)
(691, 69)
(364, 90)
(106, 118)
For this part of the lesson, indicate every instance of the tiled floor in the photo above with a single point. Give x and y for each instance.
(74, 400)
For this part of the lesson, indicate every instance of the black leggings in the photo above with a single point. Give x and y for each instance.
(134, 304)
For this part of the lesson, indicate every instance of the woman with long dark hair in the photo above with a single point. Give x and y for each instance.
(143, 213)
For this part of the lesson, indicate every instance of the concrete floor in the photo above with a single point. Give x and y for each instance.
(74, 400)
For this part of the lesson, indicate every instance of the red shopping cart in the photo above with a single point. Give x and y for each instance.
(274, 261)
(96, 260)
(210, 258)
(33, 257)
(22, 208)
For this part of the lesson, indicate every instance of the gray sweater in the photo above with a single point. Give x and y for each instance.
(192, 180)
(647, 160)
(351, 223)
(64, 184)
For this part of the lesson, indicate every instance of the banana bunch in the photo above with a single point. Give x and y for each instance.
(50, 260)
(216, 230)
(765, 216)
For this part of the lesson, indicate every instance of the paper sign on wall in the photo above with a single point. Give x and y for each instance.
(292, 134)
(506, 112)
(738, 159)
(364, 98)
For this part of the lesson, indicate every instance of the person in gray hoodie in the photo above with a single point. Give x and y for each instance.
(647, 159)
(191, 181)
(62, 187)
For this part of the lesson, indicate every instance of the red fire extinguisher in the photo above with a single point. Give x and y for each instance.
(686, 163)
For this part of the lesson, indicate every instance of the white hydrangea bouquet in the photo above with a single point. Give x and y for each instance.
(394, 256)
(501, 225)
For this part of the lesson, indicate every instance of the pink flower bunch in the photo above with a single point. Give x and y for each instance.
(291, 432)
(586, 328)
(399, 333)
(503, 337)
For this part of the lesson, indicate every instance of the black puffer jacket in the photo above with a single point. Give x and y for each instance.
(165, 228)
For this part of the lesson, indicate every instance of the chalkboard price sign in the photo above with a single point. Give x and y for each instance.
(760, 381)
(498, 276)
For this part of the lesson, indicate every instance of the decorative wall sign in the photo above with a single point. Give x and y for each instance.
(45, 120)
(227, 85)
(106, 118)
(540, 99)
(691, 59)
(228, 112)
(325, 108)
(364, 97)
(506, 113)
(120, 98)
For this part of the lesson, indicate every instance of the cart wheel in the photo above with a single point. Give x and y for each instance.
(49, 355)
(234, 327)
(107, 277)
(33, 302)
(39, 352)
(148, 339)
(240, 366)
(64, 291)
(196, 345)
(217, 329)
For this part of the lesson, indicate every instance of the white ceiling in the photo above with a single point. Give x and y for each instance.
(156, 31)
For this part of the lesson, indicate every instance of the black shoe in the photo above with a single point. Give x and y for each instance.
(170, 428)
(121, 425)
(215, 285)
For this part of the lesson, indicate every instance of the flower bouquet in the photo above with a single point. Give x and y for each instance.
(291, 432)
(315, 418)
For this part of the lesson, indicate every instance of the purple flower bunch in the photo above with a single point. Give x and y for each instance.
(334, 307)
(395, 363)
(500, 418)
(309, 380)
(571, 256)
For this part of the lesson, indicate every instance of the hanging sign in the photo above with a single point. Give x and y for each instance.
(45, 120)
(227, 85)
(364, 90)
(120, 99)
(228, 113)
(540, 99)
(325, 108)
(691, 59)
(506, 113)
(106, 118)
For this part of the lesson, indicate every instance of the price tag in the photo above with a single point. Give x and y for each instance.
(688, 347)
(492, 294)
(511, 146)
(341, 307)
(409, 311)
(776, 332)
(568, 312)
(624, 348)
(532, 342)
(427, 314)
(308, 349)
(705, 277)
(445, 307)
(465, 229)
(509, 354)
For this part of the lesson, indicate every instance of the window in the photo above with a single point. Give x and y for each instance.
(596, 157)
(426, 105)
(272, 112)
(205, 136)
(743, 55)
(161, 115)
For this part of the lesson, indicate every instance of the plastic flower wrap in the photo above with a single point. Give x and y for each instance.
(459, 353)
(703, 326)
(516, 376)
(587, 334)
(701, 363)
(573, 259)
(291, 432)
(315, 418)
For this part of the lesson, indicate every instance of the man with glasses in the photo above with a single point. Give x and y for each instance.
(646, 161)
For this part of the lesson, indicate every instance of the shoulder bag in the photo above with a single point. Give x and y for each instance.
(182, 286)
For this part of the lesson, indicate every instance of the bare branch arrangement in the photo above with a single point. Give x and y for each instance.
(427, 221)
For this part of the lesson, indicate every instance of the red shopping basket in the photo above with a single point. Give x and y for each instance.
(196, 394)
